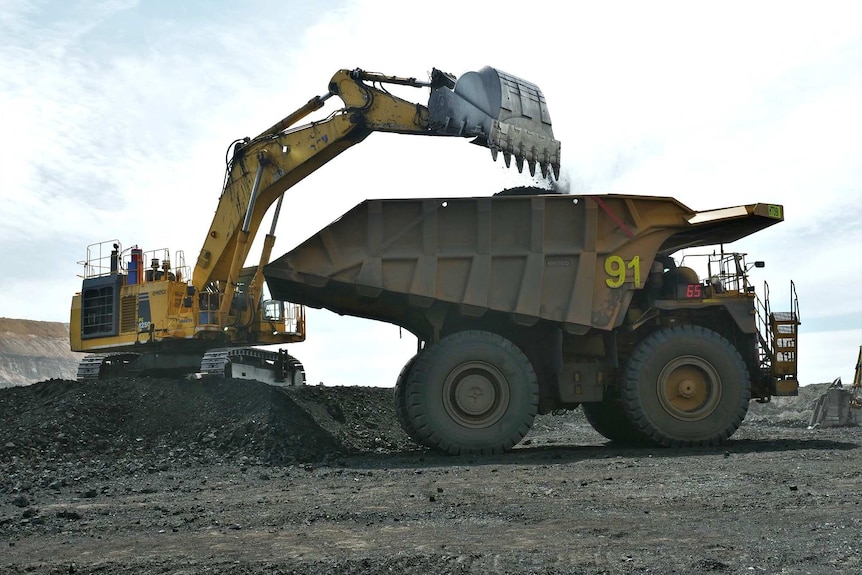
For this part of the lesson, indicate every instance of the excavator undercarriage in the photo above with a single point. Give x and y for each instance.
(273, 367)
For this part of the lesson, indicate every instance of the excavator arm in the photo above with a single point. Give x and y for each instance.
(499, 111)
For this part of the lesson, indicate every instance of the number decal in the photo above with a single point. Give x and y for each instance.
(635, 265)
(693, 291)
(616, 267)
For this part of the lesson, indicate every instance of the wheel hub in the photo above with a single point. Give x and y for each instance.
(476, 394)
(689, 388)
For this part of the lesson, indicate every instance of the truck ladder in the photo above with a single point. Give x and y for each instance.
(784, 332)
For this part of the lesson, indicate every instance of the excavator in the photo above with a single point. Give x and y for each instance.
(143, 312)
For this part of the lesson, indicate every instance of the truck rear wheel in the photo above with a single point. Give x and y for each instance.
(609, 418)
(473, 392)
(400, 396)
(686, 386)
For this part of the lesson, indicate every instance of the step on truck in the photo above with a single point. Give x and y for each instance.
(527, 304)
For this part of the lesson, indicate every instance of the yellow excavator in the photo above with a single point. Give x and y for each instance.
(143, 312)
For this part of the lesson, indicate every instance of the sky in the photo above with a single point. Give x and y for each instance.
(116, 115)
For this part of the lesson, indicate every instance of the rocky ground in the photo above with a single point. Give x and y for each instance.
(193, 477)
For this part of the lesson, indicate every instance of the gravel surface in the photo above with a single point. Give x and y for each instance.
(236, 477)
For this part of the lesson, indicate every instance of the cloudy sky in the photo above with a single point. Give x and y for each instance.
(116, 115)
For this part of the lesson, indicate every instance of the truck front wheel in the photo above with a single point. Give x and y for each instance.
(472, 392)
(686, 386)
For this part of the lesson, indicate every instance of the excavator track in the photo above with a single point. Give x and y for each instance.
(274, 367)
(100, 365)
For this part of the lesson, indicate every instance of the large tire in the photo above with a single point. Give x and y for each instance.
(473, 392)
(609, 418)
(400, 396)
(686, 386)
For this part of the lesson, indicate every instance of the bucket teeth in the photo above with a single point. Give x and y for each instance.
(503, 113)
(526, 146)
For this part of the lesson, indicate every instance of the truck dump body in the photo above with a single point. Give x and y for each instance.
(572, 260)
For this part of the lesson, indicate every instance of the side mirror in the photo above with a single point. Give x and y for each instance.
(760, 264)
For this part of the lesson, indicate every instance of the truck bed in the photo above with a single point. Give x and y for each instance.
(528, 258)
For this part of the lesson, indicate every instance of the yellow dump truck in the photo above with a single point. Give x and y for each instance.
(535, 302)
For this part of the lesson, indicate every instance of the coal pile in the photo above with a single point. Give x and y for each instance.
(124, 425)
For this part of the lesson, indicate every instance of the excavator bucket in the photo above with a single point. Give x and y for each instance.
(505, 114)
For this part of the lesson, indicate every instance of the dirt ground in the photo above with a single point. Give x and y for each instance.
(233, 477)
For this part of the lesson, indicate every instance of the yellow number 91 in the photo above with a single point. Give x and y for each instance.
(616, 267)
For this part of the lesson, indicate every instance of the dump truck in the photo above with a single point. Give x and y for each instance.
(146, 311)
(530, 303)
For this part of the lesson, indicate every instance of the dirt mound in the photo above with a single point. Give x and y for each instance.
(211, 418)
(32, 351)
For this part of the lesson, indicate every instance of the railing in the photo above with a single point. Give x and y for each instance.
(777, 332)
(732, 274)
(794, 303)
(725, 272)
(786, 336)
(102, 259)
(293, 315)
(109, 257)
(764, 329)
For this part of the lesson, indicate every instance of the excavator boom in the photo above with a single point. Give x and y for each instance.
(499, 111)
